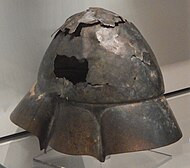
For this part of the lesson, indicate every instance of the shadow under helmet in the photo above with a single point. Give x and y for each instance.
(99, 91)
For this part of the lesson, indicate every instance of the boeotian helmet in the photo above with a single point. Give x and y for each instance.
(99, 91)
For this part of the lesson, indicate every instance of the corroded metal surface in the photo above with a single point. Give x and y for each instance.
(99, 91)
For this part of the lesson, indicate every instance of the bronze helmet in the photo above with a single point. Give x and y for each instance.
(99, 91)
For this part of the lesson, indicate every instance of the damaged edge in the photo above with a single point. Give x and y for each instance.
(70, 28)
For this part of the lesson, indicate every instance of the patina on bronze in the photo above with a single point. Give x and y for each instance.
(99, 91)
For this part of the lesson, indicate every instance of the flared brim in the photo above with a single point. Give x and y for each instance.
(97, 130)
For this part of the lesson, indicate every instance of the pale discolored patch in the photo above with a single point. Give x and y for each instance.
(32, 90)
